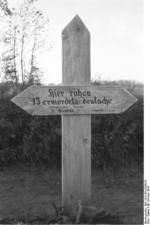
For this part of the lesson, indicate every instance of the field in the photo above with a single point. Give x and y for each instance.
(27, 193)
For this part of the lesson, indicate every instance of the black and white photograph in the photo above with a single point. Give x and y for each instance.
(72, 137)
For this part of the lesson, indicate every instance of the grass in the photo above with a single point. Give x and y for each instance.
(27, 193)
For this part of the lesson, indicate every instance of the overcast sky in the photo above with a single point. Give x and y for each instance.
(116, 28)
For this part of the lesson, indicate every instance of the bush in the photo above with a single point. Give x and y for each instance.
(116, 139)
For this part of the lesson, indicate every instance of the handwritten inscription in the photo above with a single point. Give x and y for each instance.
(73, 93)
(75, 97)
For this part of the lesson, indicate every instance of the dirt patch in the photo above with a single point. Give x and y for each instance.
(27, 193)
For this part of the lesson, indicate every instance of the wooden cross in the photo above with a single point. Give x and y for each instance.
(76, 100)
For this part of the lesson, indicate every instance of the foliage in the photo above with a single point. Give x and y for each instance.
(117, 140)
(42, 142)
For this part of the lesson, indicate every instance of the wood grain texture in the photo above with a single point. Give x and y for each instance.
(76, 130)
(58, 100)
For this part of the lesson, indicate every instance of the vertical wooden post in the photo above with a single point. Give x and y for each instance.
(76, 129)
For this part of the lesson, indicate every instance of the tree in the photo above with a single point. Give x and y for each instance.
(34, 29)
(9, 38)
(24, 36)
(39, 27)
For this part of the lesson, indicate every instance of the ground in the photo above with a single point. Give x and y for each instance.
(27, 193)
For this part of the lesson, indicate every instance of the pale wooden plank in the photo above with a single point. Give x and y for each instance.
(76, 130)
(58, 100)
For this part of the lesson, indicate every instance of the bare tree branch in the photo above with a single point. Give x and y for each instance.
(5, 8)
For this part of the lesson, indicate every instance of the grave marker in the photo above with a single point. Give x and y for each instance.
(59, 100)
(76, 100)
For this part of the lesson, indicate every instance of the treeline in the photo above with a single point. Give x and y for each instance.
(116, 139)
